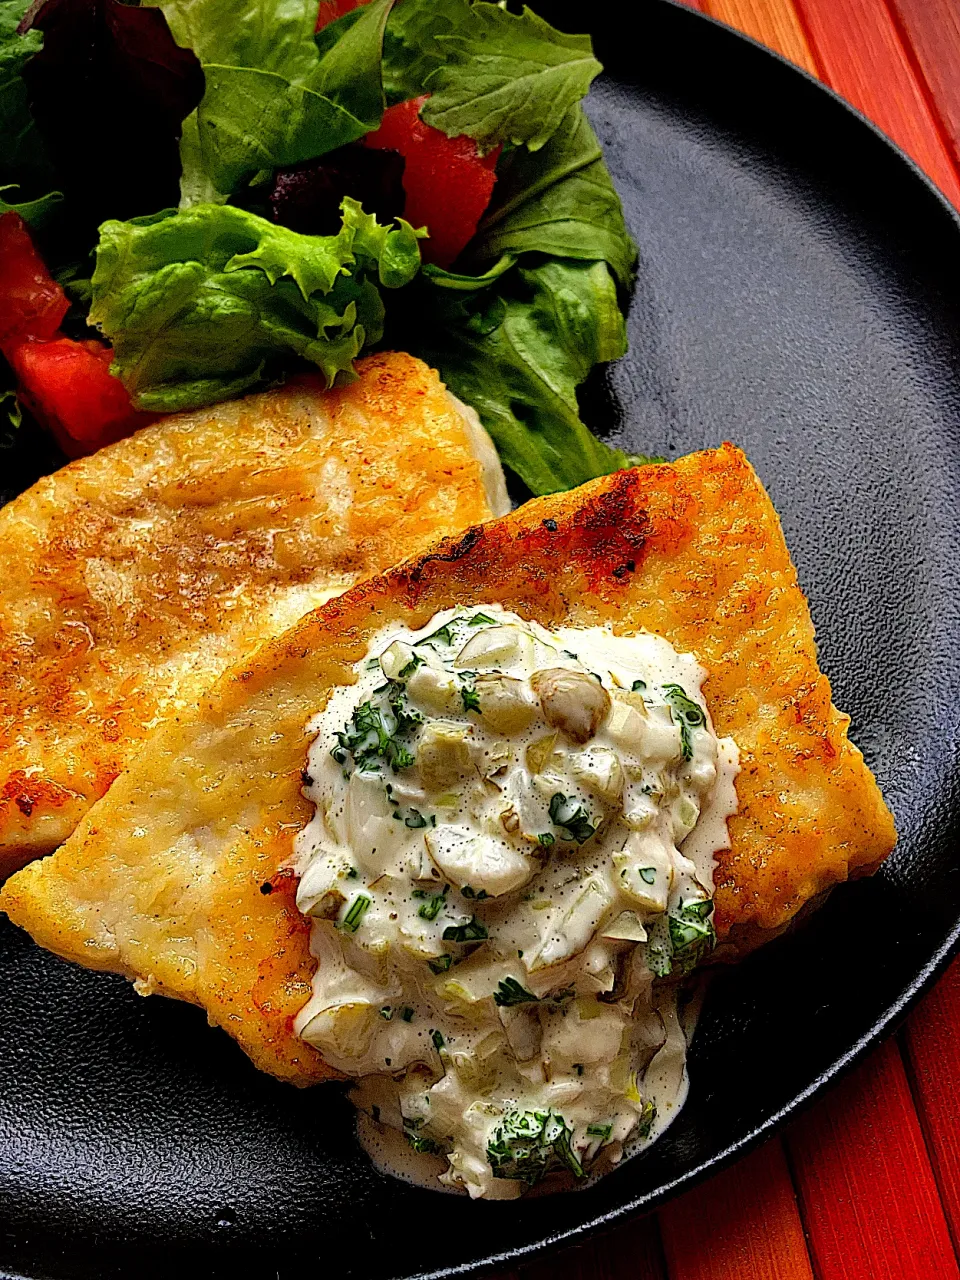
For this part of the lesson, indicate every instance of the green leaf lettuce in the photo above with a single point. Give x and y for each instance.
(207, 303)
(271, 100)
(517, 348)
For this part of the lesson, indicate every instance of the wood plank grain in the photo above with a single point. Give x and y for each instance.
(743, 1224)
(865, 1183)
(862, 56)
(932, 1044)
(631, 1252)
(773, 22)
(931, 28)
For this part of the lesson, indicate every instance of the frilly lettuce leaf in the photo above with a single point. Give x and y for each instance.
(515, 344)
(271, 100)
(206, 303)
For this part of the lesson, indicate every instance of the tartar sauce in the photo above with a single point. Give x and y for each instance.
(510, 864)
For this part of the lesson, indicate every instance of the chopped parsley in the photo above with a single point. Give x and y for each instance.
(678, 944)
(692, 933)
(434, 903)
(509, 992)
(416, 820)
(546, 838)
(441, 964)
(357, 910)
(481, 620)
(571, 818)
(473, 931)
(373, 733)
(420, 1142)
(526, 1145)
(386, 1012)
(638, 686)
(437, 1039)
(647, 1117)
(470, 697)
(406, 1013)
(442, 635)
(688, 715)
(477, 894)
(601, 1131)
(407, 671)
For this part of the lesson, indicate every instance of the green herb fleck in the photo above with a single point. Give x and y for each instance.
(442, 635)
(481, 620)
(405, 672)
(406, 1013)
(509, 992)
(578, 1068)
(648, 874)
(526, 1145)
(358, 909)
(352, 873)
(571, 818)
(692, 934)
(473, 931)
(434, 901)
(441, 964)
(372, 735)
(386, 1012)
(416, 820)
(546, 838)
(647, 1116)
(470, 697)
(601, 1131)
(437, 1039)
(419, 1141)
(638, 686)
(688, 715)
(478, 894)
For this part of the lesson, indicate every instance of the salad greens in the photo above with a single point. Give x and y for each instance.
(270, 99)
(204, 303)
(222, 98)
(507, 78)
(24, 158)
(120, 62)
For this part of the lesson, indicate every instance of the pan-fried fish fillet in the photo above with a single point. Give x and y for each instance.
(177, 877)
(130, 580)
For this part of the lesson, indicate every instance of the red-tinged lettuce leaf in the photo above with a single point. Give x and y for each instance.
(23, 157)
(109, 92)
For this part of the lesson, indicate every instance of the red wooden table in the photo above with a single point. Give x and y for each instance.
(866, 1184)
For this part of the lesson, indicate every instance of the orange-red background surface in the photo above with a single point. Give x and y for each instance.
(866, 1184)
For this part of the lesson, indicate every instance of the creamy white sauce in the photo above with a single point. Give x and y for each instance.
(510, 864)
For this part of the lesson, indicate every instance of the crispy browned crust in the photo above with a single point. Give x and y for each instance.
(130, 580)
(163, 879)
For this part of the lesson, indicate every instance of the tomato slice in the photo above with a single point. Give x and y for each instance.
(69, 388)
(448, 184)
(32, 304)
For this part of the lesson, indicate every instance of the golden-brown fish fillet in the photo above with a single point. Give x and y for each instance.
(177, 877)
(130, 580)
